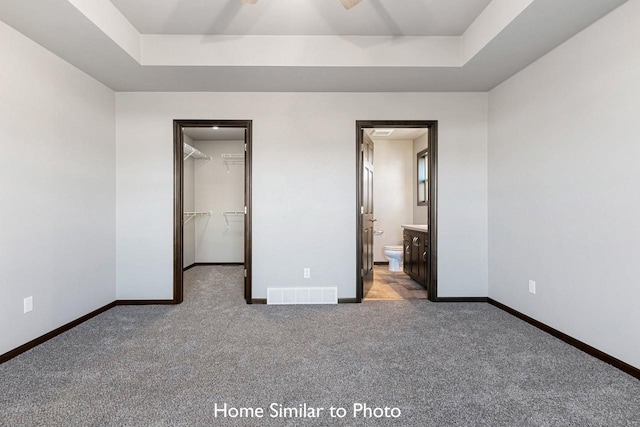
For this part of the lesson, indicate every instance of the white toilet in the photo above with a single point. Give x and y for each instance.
(395, 255)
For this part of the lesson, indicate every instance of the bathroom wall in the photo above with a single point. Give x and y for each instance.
(304, 179)
(420, 213)
(189, 229)
(392, 191)
(219, 189)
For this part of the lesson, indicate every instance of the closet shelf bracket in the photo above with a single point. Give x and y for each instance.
(188, 216)
(189, 151)
(227, 214)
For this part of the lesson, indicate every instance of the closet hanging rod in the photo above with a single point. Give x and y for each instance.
(190, 151)
(232, 159)
(227, 214)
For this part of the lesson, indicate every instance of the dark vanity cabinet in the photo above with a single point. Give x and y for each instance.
(416, 258)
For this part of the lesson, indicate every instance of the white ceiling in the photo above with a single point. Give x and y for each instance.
(506, 36)
(209, 134)
(302, 17)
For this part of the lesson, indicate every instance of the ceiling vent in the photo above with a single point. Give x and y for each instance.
(381, 132)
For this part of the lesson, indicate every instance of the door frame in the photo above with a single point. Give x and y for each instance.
(178, 200)
(432, 125)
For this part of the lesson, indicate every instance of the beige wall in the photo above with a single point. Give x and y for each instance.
(563, 187)
(392, 192)
(189, 205)
(303, 184)
(219, 189)
(57, 185)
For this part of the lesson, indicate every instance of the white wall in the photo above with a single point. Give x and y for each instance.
(392, 192)
(420, 213)
(189, 205)
(563, 187)
(303, 184)
(57, 171)
(219, 189)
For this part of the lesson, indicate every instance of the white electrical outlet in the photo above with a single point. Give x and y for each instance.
(28, 304)
(532, 286)
(307, 273)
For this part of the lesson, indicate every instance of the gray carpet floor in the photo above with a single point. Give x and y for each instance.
(440, 364)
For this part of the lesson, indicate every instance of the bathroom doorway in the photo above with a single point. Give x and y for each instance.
(396, 187)
(212, 199)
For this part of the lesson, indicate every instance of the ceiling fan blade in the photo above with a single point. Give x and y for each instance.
(348, 4)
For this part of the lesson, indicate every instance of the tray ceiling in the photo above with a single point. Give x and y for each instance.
(302, 45)
(302, 17)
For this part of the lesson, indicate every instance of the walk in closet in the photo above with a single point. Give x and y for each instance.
(213, 209)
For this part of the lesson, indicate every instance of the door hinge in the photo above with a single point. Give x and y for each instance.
(361, 210)
(245, 210)
(245, 147)
(362, 272)
(245, 272)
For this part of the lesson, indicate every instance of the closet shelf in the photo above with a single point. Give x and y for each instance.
(227, 214)
(190, 215)
(232, 159)
(194, 153)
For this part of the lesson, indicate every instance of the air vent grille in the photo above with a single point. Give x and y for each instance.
(284, 296)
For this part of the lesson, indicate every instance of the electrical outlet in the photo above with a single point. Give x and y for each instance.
(307, 273)
(532, 286)
(28, 304)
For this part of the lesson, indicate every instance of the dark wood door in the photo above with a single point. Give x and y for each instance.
(367, 213)
(407, 252)
(416, 255)
(424, 260)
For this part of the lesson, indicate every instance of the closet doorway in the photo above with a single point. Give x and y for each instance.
(212, 197)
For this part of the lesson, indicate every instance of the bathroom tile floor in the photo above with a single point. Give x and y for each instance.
(389, 286)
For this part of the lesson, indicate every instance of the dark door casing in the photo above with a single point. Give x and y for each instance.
(427, 250)
(178, 178)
